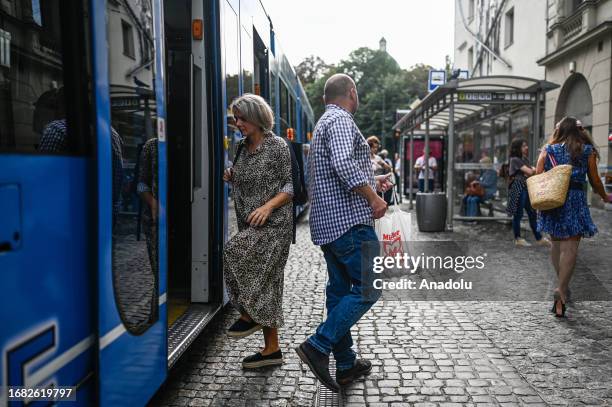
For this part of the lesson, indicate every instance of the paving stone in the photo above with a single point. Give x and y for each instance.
(424, 353)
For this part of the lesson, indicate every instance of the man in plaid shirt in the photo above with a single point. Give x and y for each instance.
(344, 204)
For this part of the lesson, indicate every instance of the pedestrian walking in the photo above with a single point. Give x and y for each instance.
(384, 154)
(379, 166)
(420, 165)
(519, 170)
(254, 259)
(570, 144)
(397, 173)
(344, 205)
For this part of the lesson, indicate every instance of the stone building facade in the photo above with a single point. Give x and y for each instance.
(579, 58)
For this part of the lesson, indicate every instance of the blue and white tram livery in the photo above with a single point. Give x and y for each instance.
(114, 133)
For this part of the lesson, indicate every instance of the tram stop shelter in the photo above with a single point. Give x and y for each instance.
(463, 104)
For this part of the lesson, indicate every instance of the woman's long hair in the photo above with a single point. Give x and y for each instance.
(516, 147)
(570, 131)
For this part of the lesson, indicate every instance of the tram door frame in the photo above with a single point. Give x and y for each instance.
(199, 160)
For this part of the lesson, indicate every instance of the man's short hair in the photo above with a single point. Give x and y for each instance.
(337, 86)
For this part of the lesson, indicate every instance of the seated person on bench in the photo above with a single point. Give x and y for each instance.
(473, 196)
(488, 180)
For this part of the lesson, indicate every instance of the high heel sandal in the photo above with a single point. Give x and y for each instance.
(554, 307)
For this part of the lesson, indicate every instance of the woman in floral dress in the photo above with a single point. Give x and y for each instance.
(254, 259)
(569, 144)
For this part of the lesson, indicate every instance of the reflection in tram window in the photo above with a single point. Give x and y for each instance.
(147, 189)
(247, 63)
(33, 64)
(133, 117)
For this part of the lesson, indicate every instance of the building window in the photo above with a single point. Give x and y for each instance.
(574, 4)
(471, 10)
(509, 31)
(128, 39)
(36, 14)
(470, 61)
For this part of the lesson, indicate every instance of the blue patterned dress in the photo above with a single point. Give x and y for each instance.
(574, 217)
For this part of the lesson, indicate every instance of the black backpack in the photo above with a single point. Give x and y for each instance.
(300, 195)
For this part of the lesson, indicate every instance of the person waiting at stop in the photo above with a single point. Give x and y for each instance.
(420, 165)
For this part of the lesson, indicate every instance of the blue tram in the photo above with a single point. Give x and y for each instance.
(114, 134)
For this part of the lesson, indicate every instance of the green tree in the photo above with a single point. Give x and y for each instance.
(311, 69)
(383, 88)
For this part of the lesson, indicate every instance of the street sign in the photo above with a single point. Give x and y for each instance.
(436, 78)
(464, 74)
(495, 97)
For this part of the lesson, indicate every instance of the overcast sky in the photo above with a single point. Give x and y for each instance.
(417, 31)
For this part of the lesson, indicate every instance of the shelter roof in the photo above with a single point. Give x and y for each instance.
(471, 97)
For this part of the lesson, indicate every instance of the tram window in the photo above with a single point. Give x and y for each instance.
(134, 163)
(44, 72)
(284, 108)
(247, 62)
(293, 113)
(261, 74)
(232, 73)
(273, 92)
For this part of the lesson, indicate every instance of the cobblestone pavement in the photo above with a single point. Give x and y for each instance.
(425, 353)
(211, 372)
(133, 279)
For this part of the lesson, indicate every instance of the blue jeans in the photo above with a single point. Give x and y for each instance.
(345, 303)
(472, 203)
(524, 203)
(430, 185)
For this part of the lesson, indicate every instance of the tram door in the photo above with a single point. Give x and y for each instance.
(47, 205)
(132, 355)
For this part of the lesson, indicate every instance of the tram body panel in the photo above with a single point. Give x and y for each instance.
(47, 195)
(47, 338)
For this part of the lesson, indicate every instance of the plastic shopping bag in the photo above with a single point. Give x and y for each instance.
(394, 230)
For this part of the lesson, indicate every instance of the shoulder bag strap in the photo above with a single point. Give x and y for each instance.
(238, 151)
(552, 159)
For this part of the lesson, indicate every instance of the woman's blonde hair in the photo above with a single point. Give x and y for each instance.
(254, 109)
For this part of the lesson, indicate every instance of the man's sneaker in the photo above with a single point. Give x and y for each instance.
(362, 367)
(259, 360)
(318, 362)
(544, 242)
(242, 328)
(521, 242)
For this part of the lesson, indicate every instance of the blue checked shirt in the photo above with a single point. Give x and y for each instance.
(338, 162)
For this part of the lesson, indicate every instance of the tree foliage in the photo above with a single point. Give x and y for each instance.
(383, 87)
(311, 69)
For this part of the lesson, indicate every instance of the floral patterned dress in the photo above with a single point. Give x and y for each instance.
(254, 259)
(574, 217)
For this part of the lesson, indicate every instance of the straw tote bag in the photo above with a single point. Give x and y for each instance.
(549, 189)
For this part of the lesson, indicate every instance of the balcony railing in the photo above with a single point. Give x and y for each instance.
(572, 26)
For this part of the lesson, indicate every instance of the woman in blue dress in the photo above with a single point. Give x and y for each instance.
(569, 144)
